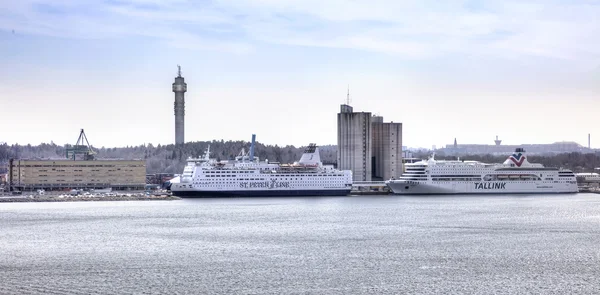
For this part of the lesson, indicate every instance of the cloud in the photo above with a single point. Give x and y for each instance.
(171, 22)
(422, 29)
(413, 29)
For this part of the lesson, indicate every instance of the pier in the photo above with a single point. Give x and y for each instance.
(57, 197)
(370, 188)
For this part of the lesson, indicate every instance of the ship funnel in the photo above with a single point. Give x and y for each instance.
(252, 148)
(311, 155)
(518, 159)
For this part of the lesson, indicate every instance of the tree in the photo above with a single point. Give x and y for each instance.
(169, 158)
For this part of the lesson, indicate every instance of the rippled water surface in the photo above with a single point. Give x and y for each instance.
(343, 245)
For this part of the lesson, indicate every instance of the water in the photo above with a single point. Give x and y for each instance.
(344, 245)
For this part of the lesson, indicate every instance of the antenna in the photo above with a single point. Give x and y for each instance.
(178, 71)
(348, 96)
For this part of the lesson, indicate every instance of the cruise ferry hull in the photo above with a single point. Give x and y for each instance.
(515, 176)
(246, 176)
(261, 193)
(480, 188)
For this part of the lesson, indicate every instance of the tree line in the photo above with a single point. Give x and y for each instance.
(171, 158)
(167, 158)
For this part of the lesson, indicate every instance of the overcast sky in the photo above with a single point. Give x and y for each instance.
(527, 71)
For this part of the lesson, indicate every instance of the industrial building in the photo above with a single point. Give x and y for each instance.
(354, 143)
(179, 87)
(3, 173)
(369, 147)
(80, 170)
(30, 175)
(386, 149)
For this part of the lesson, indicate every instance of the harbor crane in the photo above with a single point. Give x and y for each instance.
(82, 150)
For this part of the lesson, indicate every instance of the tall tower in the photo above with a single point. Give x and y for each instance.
(497, 141)
(179, 87)
(386, 149)
(354, 143)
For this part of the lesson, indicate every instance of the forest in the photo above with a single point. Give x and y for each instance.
(171, 158)
(167, 158)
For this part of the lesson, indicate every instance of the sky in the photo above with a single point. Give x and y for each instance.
(526, 71)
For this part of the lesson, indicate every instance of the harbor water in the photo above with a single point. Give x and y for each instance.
(321, 245)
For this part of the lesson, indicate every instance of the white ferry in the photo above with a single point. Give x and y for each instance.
(589, 177)
(247, 176)
(515, 175)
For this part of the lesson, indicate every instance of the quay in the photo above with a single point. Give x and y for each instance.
(370, 188)
(125, 196)
(587, 189)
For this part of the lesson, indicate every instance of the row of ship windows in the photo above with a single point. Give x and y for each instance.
(419, 171)
(77, 180)
(517, 181)
(456, 179)
(90, 181)
(476, 179)
(16, 166)
(446, 168)
(233, 175)
(446, 171)
(236, 183)
(290, 178)
(490, 176)
(79, 170)
(479, 179)
(236, 171)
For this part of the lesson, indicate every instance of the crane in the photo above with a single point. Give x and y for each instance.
(82, 147)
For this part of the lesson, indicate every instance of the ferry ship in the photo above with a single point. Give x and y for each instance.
(515, 175)
(247, 176)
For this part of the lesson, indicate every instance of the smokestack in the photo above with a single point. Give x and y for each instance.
(252, 148)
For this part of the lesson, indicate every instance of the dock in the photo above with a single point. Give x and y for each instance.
(588, 189)
(57, 197)
(370, 188)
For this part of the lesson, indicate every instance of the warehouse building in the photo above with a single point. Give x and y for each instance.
(30, 175)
